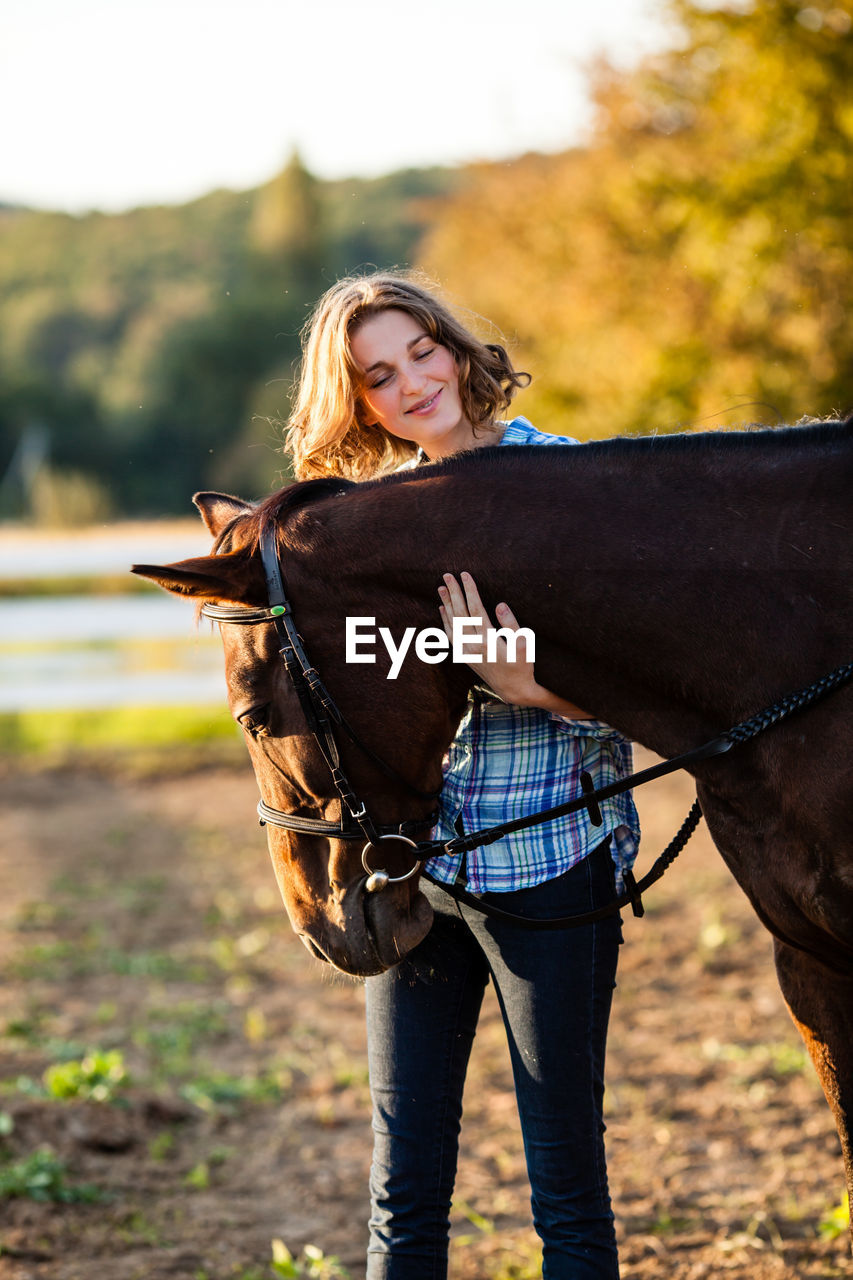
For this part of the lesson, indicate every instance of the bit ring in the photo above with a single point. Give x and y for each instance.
(378, 879)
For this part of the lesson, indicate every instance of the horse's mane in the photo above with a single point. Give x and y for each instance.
(278, 506)
(276, 509)
(490, 457)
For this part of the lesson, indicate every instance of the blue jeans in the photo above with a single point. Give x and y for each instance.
(554, 990)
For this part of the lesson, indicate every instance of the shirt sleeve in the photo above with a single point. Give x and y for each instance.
(587, 728)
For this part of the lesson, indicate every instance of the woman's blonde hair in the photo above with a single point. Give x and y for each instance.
(327, 433)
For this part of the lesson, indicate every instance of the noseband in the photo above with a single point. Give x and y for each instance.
(321, 714)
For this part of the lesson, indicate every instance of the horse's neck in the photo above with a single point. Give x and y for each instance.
(658, 594)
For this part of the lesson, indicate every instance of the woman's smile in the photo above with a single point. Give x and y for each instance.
(425, 406)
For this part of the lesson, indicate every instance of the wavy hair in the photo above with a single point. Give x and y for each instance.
(327, 432)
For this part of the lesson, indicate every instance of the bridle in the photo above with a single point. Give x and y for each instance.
(322, 715)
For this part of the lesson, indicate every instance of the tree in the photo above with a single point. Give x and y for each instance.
(692, 264)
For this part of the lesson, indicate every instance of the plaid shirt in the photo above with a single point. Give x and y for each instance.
(507, 761)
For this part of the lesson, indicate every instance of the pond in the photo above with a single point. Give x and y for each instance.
(89, 651)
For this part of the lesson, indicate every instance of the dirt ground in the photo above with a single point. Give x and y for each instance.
(138, 914)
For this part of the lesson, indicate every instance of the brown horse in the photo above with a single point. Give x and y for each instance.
(675, 585)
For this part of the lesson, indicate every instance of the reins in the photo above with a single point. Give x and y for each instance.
(632, 895)
(322, 713)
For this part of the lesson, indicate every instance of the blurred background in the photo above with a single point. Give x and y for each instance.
(650, 201)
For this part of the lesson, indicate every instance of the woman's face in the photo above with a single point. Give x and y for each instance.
(410, 384)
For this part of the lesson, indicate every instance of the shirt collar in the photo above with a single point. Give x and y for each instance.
(514, 433)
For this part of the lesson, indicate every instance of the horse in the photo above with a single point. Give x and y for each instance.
(674, 584)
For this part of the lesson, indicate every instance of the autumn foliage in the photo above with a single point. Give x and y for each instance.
(693, 264)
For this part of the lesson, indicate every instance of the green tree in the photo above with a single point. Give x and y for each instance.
(153, 349)
(692, 264)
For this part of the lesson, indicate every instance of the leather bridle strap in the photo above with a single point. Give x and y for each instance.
(320, 711)
(630, 897)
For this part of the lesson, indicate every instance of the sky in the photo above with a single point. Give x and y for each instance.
(110, 104)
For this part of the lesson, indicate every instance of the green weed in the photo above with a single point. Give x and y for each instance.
(773, 1058)
(41, 1176)
(135, 1228)
(512, 1269)
(312, 1263)
(484, 1225)
(161, 1147)
(31, 916)
(665, 1224)
(33, 733)
(220, 1090)
(198, 1177)
(836, 1221)
(171, 1036)
(163, 965)
(50, 961)
(88, 956)
(28, 1027)
(78, 584)
(98, 1077)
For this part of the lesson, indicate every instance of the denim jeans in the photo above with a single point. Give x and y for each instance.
(554, 990)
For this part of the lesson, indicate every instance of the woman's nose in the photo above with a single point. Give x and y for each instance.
(412, 380)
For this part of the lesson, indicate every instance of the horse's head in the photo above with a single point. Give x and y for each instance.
(321, 875)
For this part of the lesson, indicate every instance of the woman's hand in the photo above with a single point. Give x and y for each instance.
(514, 681)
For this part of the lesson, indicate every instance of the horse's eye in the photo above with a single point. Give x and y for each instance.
(255, 721)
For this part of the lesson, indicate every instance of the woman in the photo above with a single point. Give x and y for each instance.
(391, 378)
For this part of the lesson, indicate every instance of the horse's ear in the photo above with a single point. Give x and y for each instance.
(208, 577)
(219, 509)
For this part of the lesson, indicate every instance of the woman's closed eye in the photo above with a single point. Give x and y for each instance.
(383, 379)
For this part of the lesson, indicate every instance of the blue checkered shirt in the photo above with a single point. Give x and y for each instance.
(507, 762)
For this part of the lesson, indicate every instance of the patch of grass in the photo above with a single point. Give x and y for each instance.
(171, 1036)
(81, 584)
(143, 895)
(87, 956)
(220, 1090)
(776, 1059)
(29, 1026)
(50, 961)
(666, 1224)
(34, 733)
(41, 1176)
(33, 916)
(135, 1228)
(163, 965)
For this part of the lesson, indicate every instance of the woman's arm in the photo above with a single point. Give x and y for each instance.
(515, 681)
